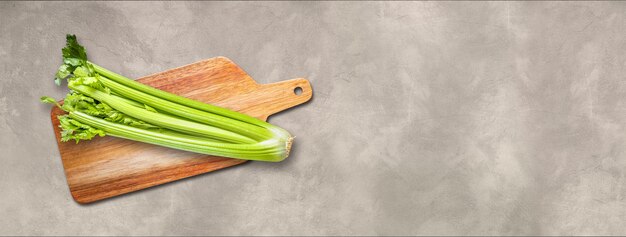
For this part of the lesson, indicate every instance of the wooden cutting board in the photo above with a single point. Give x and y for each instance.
(107, 166)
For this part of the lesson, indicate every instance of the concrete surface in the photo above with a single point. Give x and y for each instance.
(428, 117)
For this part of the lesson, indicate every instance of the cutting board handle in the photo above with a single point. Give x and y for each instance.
(283, 95)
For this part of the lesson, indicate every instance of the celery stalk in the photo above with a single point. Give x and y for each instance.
(178, 99)
(271, 150)
(162, 120)
(190, 113)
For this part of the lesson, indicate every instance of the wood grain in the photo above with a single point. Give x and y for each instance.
(107, 166)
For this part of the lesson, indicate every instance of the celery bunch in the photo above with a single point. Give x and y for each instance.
(102, 103)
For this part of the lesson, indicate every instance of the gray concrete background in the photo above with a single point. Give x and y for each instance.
(427, 118)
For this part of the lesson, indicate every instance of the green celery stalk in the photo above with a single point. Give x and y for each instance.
(270, 150)
(250, 130)
(161, 120)
(185, 101)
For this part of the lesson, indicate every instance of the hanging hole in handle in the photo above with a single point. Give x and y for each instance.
(297, 90)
